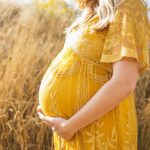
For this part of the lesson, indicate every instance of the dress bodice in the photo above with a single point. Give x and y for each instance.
(128, 35)
(86, 43)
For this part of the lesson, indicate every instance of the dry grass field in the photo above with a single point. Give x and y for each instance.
(29, 40)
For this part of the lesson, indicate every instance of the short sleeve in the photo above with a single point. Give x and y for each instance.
(128, 35)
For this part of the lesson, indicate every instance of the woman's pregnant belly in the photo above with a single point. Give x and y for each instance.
(58, 96)
(68, 84)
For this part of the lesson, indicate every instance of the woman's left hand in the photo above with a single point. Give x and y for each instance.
(57, 124)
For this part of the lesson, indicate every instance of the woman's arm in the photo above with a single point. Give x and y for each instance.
(122, 83)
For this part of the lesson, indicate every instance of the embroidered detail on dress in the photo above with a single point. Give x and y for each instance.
(96, 137)
(82, 84)
(69, 71)
(112, 141)
(84, 56)
(98, 74)
(109, 142)
(53, 106)
(99, 78)
(129, 145)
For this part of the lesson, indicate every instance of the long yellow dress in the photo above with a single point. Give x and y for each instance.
(84, 65)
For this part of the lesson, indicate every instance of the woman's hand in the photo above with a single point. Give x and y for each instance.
(57, 124)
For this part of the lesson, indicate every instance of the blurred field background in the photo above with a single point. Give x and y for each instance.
(30, 38)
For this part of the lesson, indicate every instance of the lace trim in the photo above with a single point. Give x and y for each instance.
(86, 57)
(103, 76)
(100, 78)
(73, 69)
(97, 71)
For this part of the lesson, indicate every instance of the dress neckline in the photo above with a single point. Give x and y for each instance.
(87, 24)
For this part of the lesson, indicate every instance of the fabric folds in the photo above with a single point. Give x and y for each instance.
(128, 35)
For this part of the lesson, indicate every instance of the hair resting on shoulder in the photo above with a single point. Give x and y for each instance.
(104, 9)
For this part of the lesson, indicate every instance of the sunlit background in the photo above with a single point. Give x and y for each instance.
(70, 3)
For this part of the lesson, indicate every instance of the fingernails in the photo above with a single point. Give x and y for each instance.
(53, 128)
(39, 109)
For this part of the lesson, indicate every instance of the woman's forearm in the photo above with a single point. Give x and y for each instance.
(109, 96)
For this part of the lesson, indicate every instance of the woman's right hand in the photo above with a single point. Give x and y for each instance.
(40, 113)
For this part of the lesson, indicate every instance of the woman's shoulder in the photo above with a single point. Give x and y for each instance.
(135, 9)
(133, 13)
(134, 6)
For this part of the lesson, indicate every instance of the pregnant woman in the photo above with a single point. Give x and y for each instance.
(87, 93)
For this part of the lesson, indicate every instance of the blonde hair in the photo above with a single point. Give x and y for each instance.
(104, 9)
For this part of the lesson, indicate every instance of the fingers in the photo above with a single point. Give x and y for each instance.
(39, 108)
(50, 119)
(53, 128)
(41, 115)
(46, 119)
(50, 125)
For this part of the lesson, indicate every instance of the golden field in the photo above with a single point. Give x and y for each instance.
(29, 41)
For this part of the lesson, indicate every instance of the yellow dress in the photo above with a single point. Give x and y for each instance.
(84, 65)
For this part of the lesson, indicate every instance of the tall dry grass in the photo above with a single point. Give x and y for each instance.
(29, 40)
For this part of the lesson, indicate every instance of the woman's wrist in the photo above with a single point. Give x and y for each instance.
(70, 126)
